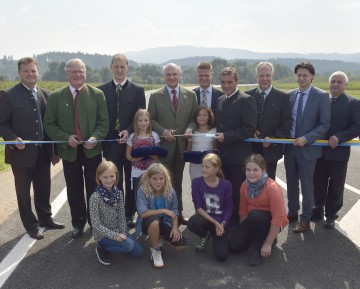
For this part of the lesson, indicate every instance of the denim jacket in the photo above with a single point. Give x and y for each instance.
(145, 203)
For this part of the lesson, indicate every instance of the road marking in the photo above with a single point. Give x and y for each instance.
(10, 262)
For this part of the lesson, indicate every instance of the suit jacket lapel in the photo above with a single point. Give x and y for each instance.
(167, 99)
(309, 102)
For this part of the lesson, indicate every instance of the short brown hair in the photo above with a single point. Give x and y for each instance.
(306, 65)
(121, 57)
(204, 65)
(229, 71)
(27, 60)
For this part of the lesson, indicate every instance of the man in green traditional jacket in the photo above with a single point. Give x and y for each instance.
(77, 114)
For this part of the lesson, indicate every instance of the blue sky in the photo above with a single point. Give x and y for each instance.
(108, 27)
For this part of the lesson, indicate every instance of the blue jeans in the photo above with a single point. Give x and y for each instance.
(129, 246)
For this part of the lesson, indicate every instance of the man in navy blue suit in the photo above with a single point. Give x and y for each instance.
(311, 120)
(206, 93)
(330, 170)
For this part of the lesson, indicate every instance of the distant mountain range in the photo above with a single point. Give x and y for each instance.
(164, 54)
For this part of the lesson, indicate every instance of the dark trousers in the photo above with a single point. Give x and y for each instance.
(270, 166)
(117, 155)
(252, 231)
(200, 226)
(329, 181)
(176, 164)
(39, 175)
(236, 175)
(75, 172)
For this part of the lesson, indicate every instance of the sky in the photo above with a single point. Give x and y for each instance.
(112, 26)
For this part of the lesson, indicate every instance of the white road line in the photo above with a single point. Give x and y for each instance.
(10, 262)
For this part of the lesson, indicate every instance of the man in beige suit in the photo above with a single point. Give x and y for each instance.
(171, 109)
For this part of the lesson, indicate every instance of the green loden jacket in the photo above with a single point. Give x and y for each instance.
(93, 119)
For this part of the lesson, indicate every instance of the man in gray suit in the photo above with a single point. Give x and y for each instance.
(311, 120)
(171, 109)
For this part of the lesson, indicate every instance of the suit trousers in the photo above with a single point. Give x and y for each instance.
(75, 172)
(252, 231)
(200, 226)
(117, 155)
(299, 168)
(176, 165)
(236, 175)
(329, 181)
(270, 166)
(39, 176)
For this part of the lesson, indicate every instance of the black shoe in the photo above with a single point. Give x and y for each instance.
(51, 224)
(103, 256)
(77, 232)
(330, 223)
(255, 257)
(182, 220)
(35, 234)
(130, 221)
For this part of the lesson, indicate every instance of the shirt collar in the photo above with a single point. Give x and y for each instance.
(228, 96)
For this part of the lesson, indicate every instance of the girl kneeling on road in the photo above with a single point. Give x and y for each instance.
(157, 208)
(107, 214)
(262, 212)
(212, 197)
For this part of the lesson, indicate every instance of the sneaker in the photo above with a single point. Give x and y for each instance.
(103, 256)
(156, 258)
(201, 245)
(255, 257)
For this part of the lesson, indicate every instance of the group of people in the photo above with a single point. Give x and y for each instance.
(233, 180)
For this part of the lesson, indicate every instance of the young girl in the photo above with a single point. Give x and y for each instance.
(142, 137)
(262, 212)
(157, 208)
(204, 117)
(107, 215)
(212, 197)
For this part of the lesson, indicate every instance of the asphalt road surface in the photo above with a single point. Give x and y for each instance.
(319, 258)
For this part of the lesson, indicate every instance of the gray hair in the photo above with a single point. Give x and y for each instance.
(165, 67)
(74, 61)
(264, 63)
(339, 73)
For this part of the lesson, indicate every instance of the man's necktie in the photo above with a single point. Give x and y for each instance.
(299, 114)
(118, 95)
(76, 117)
(203, 97)
(174, 99)
(38, 109)
(260, 109)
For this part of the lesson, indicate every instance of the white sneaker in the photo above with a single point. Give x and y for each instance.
(156, 258)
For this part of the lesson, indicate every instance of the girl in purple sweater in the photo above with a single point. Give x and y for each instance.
(212, 197)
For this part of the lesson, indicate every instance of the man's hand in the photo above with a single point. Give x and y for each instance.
(91, 143)
(169, 135)
(73, 141)
(300, 141)
(21, 146)
(333, 141)
(219, 136)
(123, 135)
(266, 144)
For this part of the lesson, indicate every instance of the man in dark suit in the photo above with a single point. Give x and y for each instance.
(330, 170)
(273, 116)
(235, 122)
(206, 93)
(123, 99)
(77, 115)
(311, 120)
(22, 110)
(172, 108)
